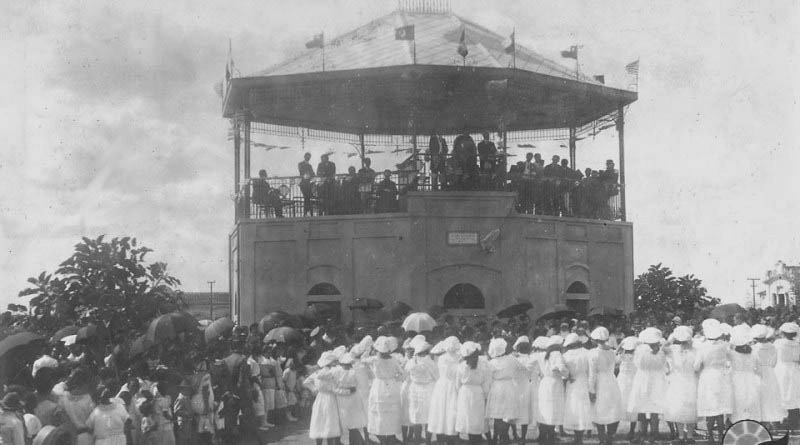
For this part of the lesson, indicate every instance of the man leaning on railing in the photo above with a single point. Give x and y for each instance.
(266, 197)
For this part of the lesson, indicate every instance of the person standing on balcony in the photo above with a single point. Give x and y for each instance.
(349, 193)
(264, 196)
(387, 194)
(437, 148)
(366, 179)
(609, 178)
(552, 181)
(326, 170)
(306, 174)
(487, 153)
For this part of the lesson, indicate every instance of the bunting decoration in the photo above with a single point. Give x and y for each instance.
(317, 42)
(600, 78)
(509, 46)
(571, 53)
(404, 33)
(633, 68)
(462, 44)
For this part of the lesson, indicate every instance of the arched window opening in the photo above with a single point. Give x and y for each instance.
(577, 288)
(464, 296)
(324, 289)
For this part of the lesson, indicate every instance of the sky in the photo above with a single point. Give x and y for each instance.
(110, 123)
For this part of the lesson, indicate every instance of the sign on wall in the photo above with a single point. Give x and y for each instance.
(462, 238)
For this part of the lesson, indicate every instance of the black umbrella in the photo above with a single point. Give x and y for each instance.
(514, 310)
(18, 340)
(65, 332)
(284, 335)
(557, 311)
(723, 311)
(395, 311)
(91, 330)
(279, 319)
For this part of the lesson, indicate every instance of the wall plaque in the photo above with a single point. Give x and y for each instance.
(462, 238)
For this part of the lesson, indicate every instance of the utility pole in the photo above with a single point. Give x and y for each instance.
(211, 301)
(753, 282)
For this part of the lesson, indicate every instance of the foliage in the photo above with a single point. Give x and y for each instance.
(659, 294)
(107, 283)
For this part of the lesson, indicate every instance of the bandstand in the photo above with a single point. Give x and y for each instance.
(472, 246)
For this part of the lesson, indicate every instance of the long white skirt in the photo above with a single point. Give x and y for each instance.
(551, 401)
(770, 397)
(405, 420)
(442, 414)
(608, 407)
(714, 393)
(419, 402)
(746, 400)
(384, 415)
(324, 417)
(503, 400)
(577, 407)
(788, 375)
(352, 413)
(647, 392)
(471, 409)
(681, 402)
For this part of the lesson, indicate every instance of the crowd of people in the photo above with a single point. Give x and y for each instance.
(554, 189)
(476, 378)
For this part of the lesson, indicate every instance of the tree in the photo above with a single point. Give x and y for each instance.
(107, 283)
(658, 292)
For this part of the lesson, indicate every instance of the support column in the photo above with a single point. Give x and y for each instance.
(621, 137)
(572, 148)
(247, 165)
(237, 169)
(363, 149)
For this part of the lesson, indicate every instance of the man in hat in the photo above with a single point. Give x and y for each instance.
(306, 173)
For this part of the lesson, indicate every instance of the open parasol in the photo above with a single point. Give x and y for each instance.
(90, 331)
(557, 311)
(284, 334)
(168, 326)
(218, 328)
(17, 340)
(65, 331)
(514, 310)
(279, 319)
(419, 322)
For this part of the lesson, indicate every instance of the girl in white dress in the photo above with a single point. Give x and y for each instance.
(405, 421)
(473, 380)
(503, 400)
(528, 384)
(107, 420)
(787, 371)
(769, 392)
(627, 371)
(577, 406)
(681, 403)
(384, 415)
(442, 411)
(324, 424)
(713, 383)
(744, 376)
(422, 373)
(363, 373)
(604, 392)
(551, 390)
(352, 412)
(650, 382)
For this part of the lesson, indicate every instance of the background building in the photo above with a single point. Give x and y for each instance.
(199, 304)
(782, 284)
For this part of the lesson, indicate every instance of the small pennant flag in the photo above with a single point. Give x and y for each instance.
(509, 44)
(633, 68)
(462, 44)
(600, 78)
(227, 73)
(317, 42)
(571, 53)
(404, 33)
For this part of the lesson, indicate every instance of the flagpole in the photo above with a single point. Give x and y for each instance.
(323, 51)
(414, 50)
(514, 48)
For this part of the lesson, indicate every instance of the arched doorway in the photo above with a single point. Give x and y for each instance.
(324, 303)
(577, 297)
(464, 296)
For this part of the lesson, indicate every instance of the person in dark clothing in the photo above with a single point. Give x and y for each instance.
(326, 170)
(348, 193)
(437, 149)
(366, 180)
(465, 153)
(264, 196)
(387, 194)
(552, 181)
(306, 174)
(487, 153)
(609, 183)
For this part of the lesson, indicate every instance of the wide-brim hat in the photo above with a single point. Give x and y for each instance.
(540, 342)
(497, 347)
(468, 348)
(385, 344)
(682, 333)
(347, 359)
(709, 322)
(789, 328)
(421, 346)
(599, 333)
(758, 331)
(571, 339)
(712, 331)
(726, 328)
(629, 343)
(452, 344)
(520, 340)
(741, 335)
(325, 359)
(651, 336)
(555, 340)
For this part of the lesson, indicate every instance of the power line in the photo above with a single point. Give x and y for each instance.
(753, 282)
(211, 303)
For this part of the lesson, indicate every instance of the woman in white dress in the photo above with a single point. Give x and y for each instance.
(681, 402)
(107, 420)
(787, 370)
(503, 401)
(769, 394)
(324, 424)
(474, 380)
(650, 382)
(744, 376)
(78, 404)
(405, 421)
(551, 390)
(577, 406)
(442, 411)
(363, 372)
(422, 373)
(528, 384)
(384, 415)
(627, 371)
(604, 392)
(713, 384)
(352, 412)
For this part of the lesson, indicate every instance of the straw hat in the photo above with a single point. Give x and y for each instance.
(758, 331)
(497, 347)
(789, 328)
(682, 333)
(468, 348)
(650, 336)
(451, 345)
(599, 334)
(726, 328)
(420, 346)
(709, 322)
(347, 359)
(385, 344)
(555, 340)
(712, 332)
(357, 350)
(629, 343)
(325, 359)
(741, 335)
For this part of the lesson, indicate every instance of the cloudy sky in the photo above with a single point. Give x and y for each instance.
(110, 124)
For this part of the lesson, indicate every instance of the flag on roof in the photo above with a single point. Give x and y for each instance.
(633, 68)
(600, 78)
(317, 42)
(404, 33)
(509, 44)
(571, 53)
(462, 43)
(227, 72)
